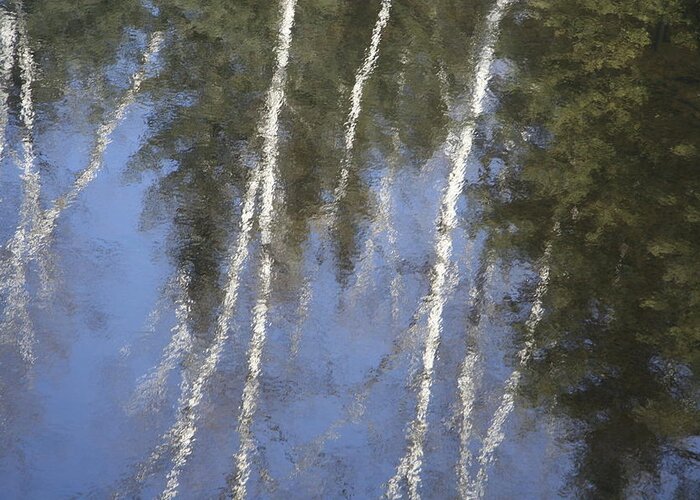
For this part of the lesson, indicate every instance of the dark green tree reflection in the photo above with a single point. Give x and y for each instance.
(585, 149)
(605, 95)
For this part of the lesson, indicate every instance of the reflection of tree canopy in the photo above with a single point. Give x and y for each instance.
(216, 68)
(77, 41)
(608, 92)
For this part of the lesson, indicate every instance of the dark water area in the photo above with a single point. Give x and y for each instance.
(349, 249)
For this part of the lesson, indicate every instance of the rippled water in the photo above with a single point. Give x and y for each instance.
(329, 249)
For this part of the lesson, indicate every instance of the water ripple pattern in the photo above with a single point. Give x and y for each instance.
(182, 435)
(270, 135)
(8, 37)
(409, 467)
(495, 435)
(358, 89)
(17, 320)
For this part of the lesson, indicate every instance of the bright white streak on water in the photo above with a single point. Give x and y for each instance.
(8, 36)
(469, 376)
(183, 432)
(33, 239)
(252, 383)
(363, 74)
(181, 435)
(382, 222)
(358, 89)
(16, 318)
(494, 434)
(411, 463)
(151, 390)
(47, 222)
(356, 410)
(270, 135)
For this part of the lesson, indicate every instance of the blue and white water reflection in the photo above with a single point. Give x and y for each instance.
(260, 250)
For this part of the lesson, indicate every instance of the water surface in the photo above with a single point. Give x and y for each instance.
(334, 249)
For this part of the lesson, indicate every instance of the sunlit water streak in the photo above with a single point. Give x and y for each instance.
(183, 433)
(17, 321)
(181, 436)
(382, 223)
(47, 222)
(269, 132)
(494, 434)
(363, 74)
(358, 89)
(355, 410)
(469, 376)
(8, 35)
(409, 467)
(151, 390)
(36, 227)
(385, 209)
(470, 373)
(404, 339)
